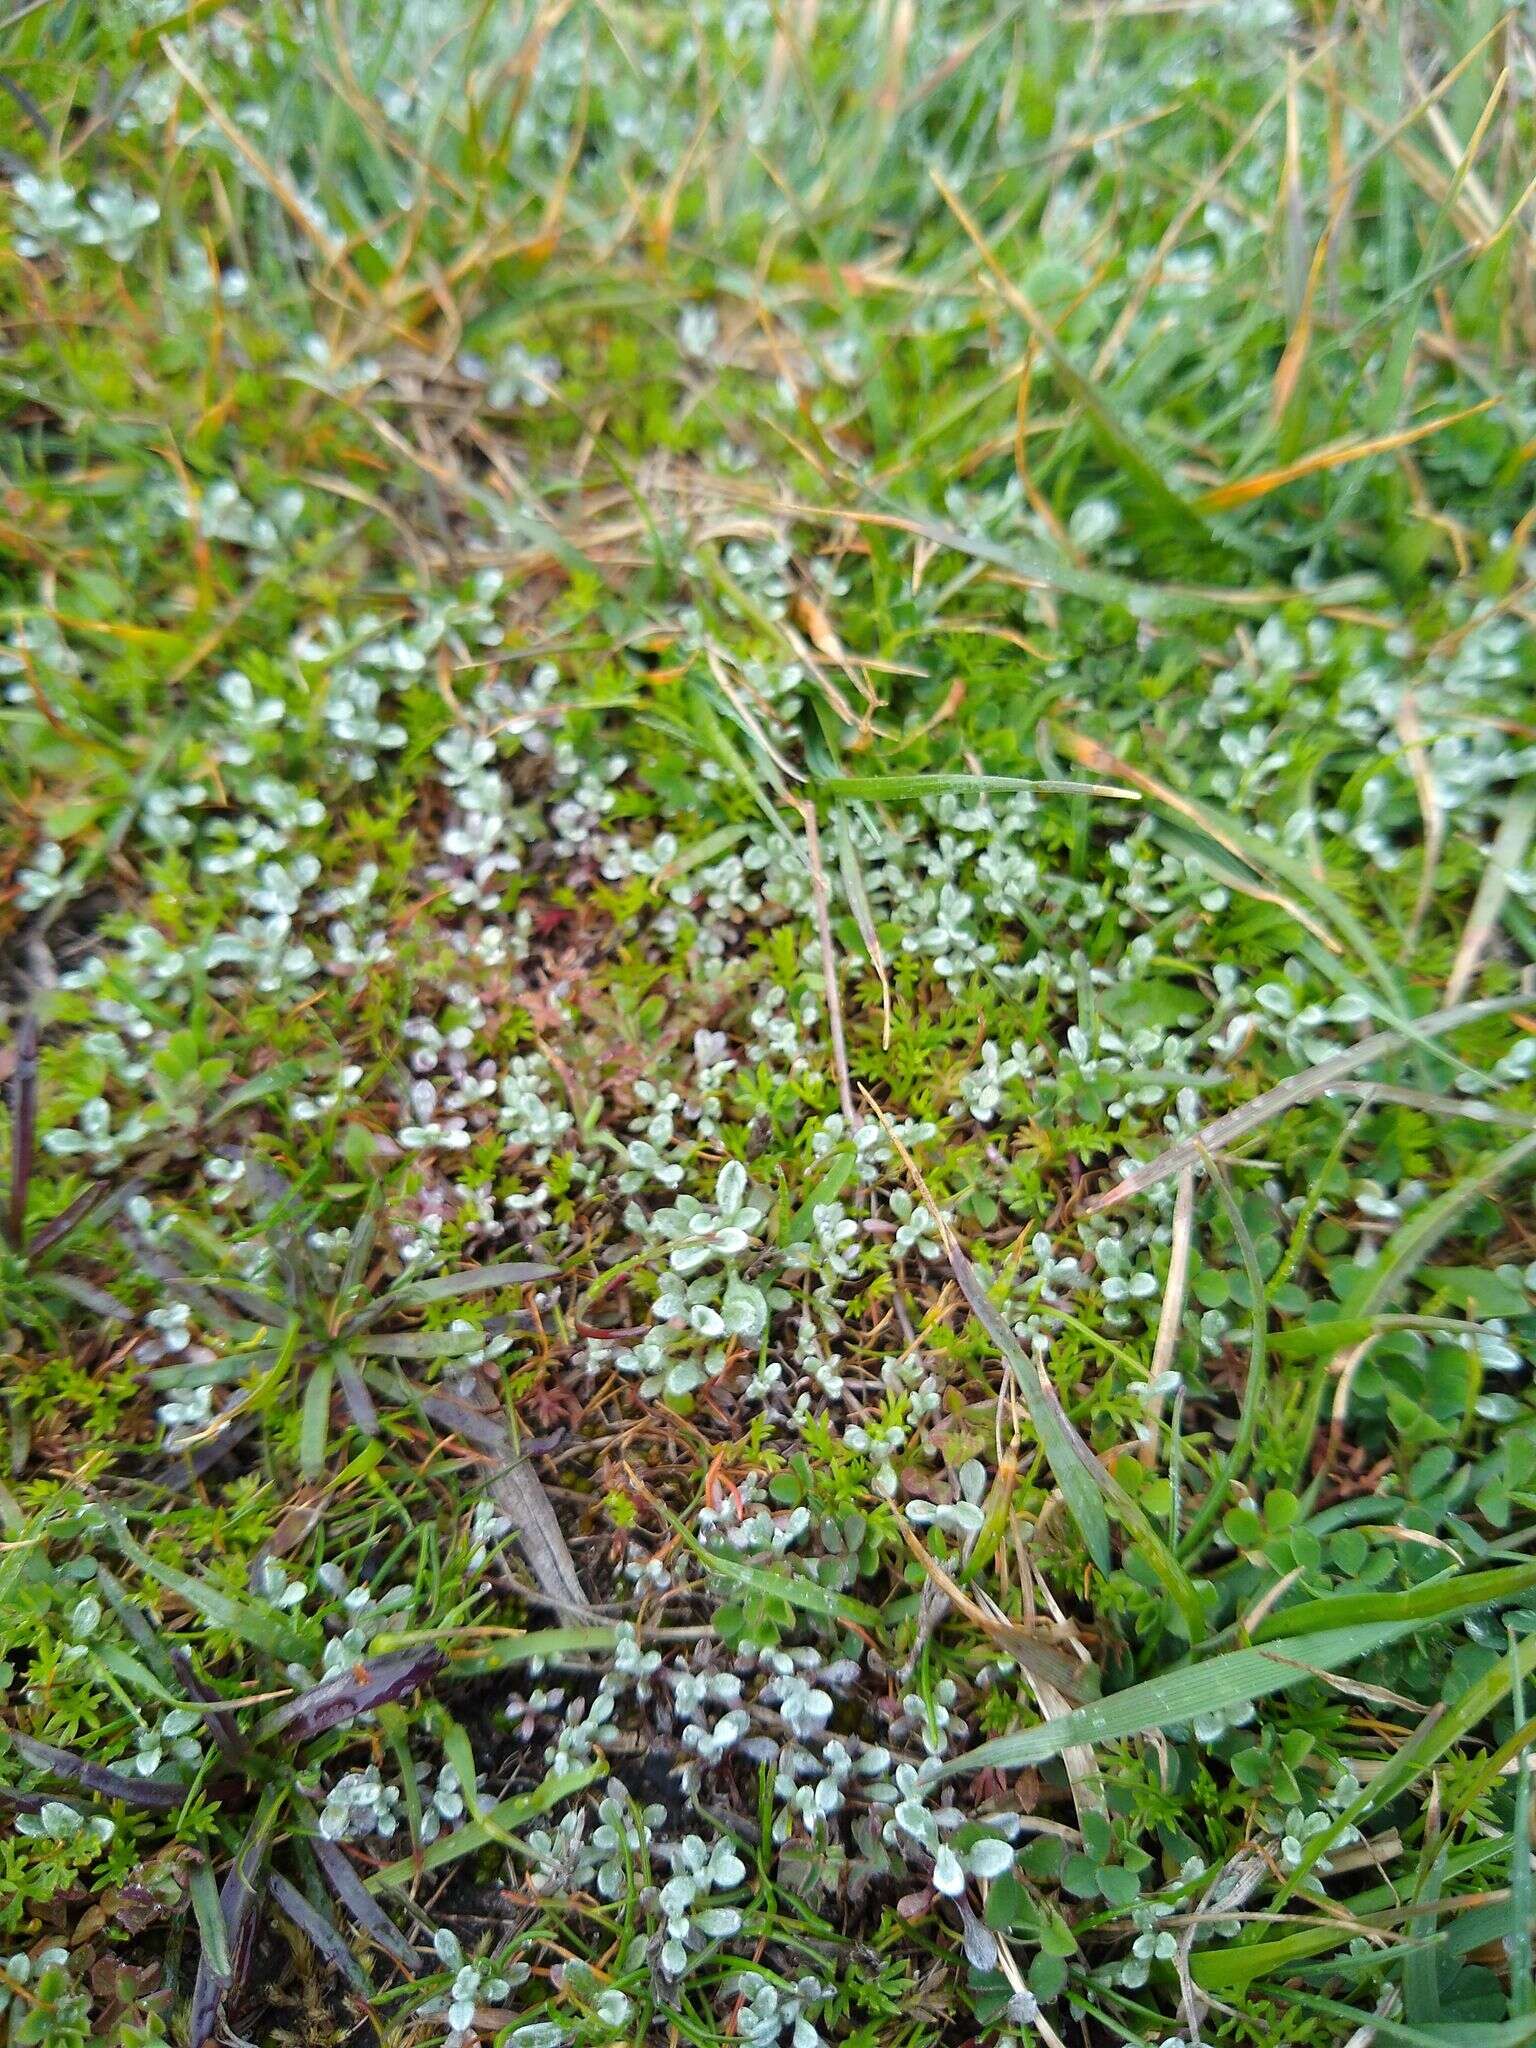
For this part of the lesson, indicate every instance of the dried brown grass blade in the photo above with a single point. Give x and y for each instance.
(1505, 855)
(1099, 760)
(1293, 360)
(519, 1494)
(1037, 1656)
(1172, 1310)
(1431, 812)
(819, 900)
(863, 916)
(1245, 490)
(279, 186)
(1225, 1131)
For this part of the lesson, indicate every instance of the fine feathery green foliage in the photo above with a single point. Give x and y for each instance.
(767, 1024)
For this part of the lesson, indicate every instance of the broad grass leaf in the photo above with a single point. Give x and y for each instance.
(498, 1821)
(1233, 1678)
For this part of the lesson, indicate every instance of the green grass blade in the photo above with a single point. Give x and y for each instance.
(1253, 1387)
(1233, 1678)
(475, 1280)
(897, 788)
(246, 1620)
(1147, 468)
(1073, 1465)
(1413, 1242)
(517, 1647)
(203, 1887)
(1517, 2033)
(1421, 1966)
(792, 1587)
(1087, 1487)
(1226, 1131)
(1460, 1593)
(1522, 1881)
(495, 1825)
(315, 1419)
(1439, 1732)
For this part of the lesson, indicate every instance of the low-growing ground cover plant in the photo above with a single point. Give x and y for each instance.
(768, 982)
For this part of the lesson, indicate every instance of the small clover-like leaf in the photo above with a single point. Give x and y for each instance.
(989, 1858)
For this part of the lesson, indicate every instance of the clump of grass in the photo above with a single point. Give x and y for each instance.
(769, 1062)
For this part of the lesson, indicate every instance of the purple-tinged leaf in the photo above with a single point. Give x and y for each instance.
(256, 1308)
(474, 1280)
(180, 1468)
(183, 1287)
(979, 1941)
(335, 1701)
(57, 1228)
(238, 1897)
(90, 1296)
(354, 1898)
(423, 1343)
(275, 1205)
(148, 1635)
(360, 1250)
(360, 1403)
(519, 1494)
(477, 1426)
(231, 1744)
(153, 1795)
(325, 1939)
(23, 1129)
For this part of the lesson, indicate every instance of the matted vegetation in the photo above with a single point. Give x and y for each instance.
(770, 1062)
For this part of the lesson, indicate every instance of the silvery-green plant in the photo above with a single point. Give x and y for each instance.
(1153, 1943)
(1302, 1828)
(445, 1805)
(805, 1708)
(700, 1233)
(710, 1309)
(770, 2009)
(622, 1839)
(960, 1518)
(117, 221)
(475, 1983)
(518, 378)
(698, 329)
(360, 1804)
(699, 1868)
(97, 1135)
(633, 1668)
(172, 1737)
(45, 213)
(707, 1744)
(42, 878)
(606, 2003)
(813, 1787)
(561, 1859)
(917, 1227)
(57, 1821)
(987, 1857)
